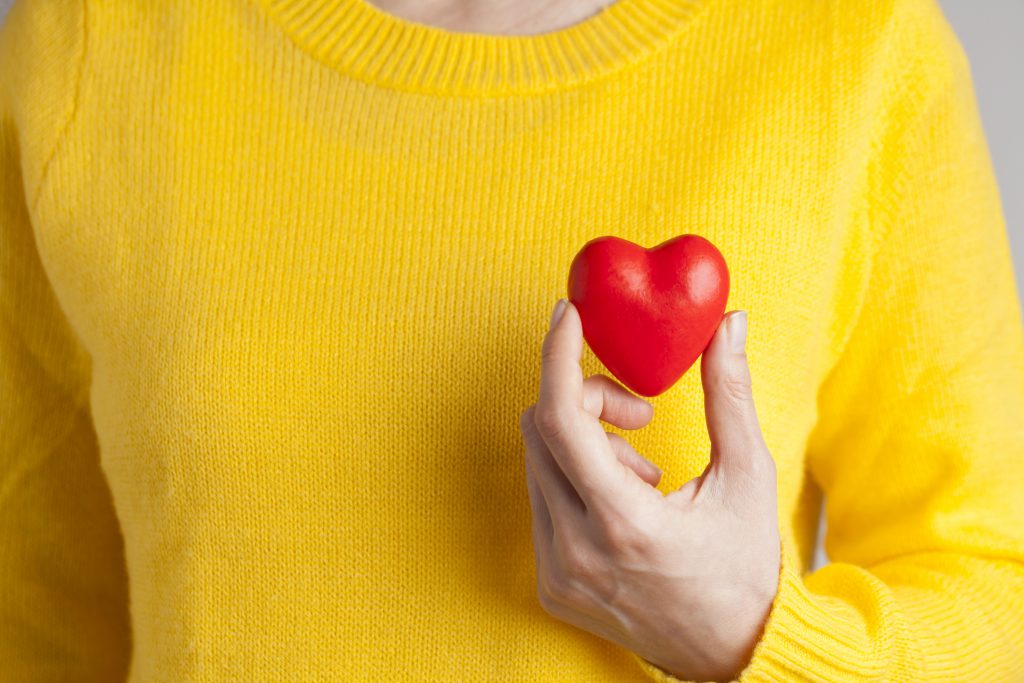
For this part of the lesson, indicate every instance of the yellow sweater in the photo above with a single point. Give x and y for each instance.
(274, 277)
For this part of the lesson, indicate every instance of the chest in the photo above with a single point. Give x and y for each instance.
(270, 294)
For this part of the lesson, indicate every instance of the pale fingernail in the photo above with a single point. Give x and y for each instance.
(736, 326)
(556, 314)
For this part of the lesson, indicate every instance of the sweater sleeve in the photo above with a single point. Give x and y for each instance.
(63, 583)
(919, 445)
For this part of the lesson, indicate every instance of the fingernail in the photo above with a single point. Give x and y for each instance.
(556, 314)
(736, 327)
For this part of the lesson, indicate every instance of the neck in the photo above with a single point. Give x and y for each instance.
(497, 17)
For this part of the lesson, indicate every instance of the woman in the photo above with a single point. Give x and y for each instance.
(276, 277)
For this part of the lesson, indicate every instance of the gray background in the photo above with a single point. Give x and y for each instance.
(990, 31)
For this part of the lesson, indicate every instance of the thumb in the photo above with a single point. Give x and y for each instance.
(737, 446)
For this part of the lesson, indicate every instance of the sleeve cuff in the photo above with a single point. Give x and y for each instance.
(802, 639)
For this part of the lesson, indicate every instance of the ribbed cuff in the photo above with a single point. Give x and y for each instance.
(803, 639)
(658, 674)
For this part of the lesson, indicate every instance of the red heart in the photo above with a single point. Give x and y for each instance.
(649, 313)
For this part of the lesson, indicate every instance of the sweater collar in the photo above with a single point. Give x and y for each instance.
(357, 38)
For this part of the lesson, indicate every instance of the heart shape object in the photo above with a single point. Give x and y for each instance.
(648, 314)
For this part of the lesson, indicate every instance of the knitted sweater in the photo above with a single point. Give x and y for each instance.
(274, 276)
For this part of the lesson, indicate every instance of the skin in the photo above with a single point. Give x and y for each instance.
(685, 579)
(498, 17)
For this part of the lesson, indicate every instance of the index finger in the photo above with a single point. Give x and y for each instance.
(575, 437)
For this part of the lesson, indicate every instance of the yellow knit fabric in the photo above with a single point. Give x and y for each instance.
(274, 276)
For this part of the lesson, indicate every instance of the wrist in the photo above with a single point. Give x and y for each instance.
(725, 647)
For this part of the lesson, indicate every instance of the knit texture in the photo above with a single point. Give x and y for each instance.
(274, 276)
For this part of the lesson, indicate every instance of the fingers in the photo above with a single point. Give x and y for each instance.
(608, 400)
(541, 529)
(563, 504)
(628, 456)
(737, 445)
(575, 438)
(540, 517)
(561, 379)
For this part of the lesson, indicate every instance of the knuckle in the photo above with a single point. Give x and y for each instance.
(551, 589)
(614, 532)
(627, 536)
(548, 351)
(738, 387)
(576, 564)
(550, 422)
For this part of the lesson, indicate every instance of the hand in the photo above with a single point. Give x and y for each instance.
(686, 580)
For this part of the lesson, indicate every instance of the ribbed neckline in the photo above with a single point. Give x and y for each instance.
(362, 40)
